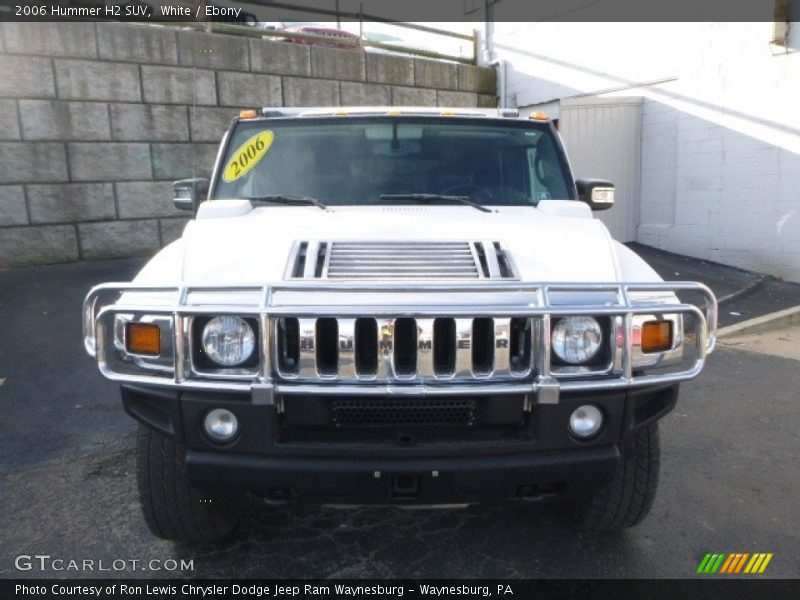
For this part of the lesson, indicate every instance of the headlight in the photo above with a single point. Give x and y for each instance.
(577, 340)
(228, 341)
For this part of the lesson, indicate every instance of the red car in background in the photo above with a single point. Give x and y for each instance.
(349, 41)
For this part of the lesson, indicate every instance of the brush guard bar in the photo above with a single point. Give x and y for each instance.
(540, 302)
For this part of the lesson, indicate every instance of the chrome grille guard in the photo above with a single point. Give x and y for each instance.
(346, 301)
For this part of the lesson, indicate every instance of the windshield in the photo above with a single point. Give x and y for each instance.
(340, 161)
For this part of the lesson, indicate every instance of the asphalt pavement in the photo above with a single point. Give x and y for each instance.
(729, 479)
(742, 294)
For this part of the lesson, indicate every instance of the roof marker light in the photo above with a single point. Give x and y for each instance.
(539, 116)
(248, 114)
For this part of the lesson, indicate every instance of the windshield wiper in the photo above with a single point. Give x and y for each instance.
(435, 197)
(286, 199)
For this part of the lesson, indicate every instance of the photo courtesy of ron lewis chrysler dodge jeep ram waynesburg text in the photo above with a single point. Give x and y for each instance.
(406, 307)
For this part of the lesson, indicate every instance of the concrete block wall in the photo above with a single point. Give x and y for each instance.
(98, 119)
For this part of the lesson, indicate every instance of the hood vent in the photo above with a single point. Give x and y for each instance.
(452, 260)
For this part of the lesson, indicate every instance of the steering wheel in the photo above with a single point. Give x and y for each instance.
(476, 194)
(396, 186)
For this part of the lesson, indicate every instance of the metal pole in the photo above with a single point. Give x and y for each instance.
(489, 20)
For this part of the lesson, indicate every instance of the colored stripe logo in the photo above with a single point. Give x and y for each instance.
(735, 563)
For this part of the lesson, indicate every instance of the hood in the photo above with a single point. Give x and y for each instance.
(254, 246)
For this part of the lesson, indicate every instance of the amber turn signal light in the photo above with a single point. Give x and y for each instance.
(656, 336)
(143, 338)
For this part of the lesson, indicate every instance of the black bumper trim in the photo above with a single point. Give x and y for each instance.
(366, 480)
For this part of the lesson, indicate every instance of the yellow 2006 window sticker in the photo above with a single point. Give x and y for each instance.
(246, 156)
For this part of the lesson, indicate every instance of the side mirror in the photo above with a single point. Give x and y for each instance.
(187, 194)
(597, 193)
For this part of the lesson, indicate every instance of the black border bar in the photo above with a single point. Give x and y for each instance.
(472, 11)
(728, 588)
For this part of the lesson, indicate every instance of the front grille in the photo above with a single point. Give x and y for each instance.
(370, 414)
(403, 349)
(354, 260)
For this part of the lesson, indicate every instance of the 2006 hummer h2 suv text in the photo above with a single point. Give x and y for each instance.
(398, 306)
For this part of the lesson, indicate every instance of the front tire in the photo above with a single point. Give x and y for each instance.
(629, 497)
(173, 509)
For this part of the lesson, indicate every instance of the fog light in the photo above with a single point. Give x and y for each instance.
(585, 421)
(221, 425)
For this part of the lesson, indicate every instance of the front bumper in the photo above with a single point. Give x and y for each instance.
(452, 480)
(275, 455)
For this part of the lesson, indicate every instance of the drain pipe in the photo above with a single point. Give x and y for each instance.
(502, 76)
(490, 56)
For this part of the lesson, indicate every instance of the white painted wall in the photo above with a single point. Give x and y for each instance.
(720, 174)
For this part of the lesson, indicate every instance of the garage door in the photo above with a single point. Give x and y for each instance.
(603, 138)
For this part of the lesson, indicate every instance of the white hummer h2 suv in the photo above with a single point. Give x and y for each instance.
(402, 306)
